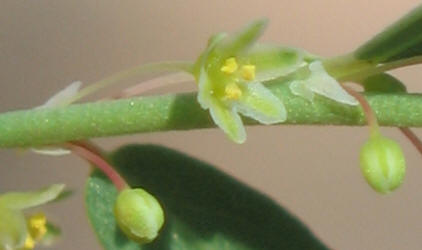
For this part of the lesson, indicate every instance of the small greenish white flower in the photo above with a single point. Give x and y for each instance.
(230, 75)
(320, 82)
(16, 232)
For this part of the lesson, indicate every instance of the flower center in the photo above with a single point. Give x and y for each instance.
(232, 91)
(246, 72)
(37, 226)
(36, 230)
(240, 73)
(29, 243)
(230, 66)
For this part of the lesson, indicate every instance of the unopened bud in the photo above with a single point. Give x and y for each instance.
(382, 163)
(139, 215)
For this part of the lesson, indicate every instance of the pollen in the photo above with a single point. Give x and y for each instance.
(37, 226)
(248, 72)
(230, 66)
(232, 91)
(29, 243)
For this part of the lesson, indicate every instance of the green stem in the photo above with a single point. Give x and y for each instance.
(373, 70)
(347, 68)
(30, 128)
(367, 110)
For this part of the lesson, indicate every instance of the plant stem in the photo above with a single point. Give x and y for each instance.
(373, 70)
(348, 68)
(29, 128)
(89, 153)
(367, 110)
(412, 138)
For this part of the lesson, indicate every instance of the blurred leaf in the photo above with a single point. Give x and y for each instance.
(383, 83)
(401, 40)
(204, 208)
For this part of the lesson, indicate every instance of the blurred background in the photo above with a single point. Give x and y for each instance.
(312, 171)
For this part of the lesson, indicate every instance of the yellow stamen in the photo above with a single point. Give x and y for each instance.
(37, 226)
(232, 91)
(29, 243)
(248, 72)
(230, 66)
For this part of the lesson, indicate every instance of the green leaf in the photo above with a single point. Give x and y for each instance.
(204, 208)
(384, 83)
(401, 40)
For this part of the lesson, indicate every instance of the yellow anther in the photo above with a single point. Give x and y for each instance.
(232, 91)
(248, 72)
(29, 243)
(37, 226)
(230, 66)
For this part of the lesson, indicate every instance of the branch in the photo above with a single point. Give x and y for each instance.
(182, 112)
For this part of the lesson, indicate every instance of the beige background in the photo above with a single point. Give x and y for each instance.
(313, 171)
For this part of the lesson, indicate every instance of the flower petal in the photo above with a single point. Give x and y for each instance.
(300, 88)
(322, 83)
(63, 95)
(13, 230)
(228, 120)
(275, 61)
(261, 104)
(51, 151)
(23, 200)
(205, 90)
(243, 39)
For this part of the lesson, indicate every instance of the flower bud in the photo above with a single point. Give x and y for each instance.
(138, 214)
(382, 163)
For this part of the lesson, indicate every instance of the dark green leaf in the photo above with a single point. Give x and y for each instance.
(383, 83)
(401, 40)
(205, 208)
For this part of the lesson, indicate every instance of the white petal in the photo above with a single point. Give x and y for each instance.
(261, 104)
(299, 88)
(63, 95)
(205, 91)
(228, 120)
(275, 61)
(322, 83)
(23, 200)
(51, 151)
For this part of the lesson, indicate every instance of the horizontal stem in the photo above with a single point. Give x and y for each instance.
(29, 128)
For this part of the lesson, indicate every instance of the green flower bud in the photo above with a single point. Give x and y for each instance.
(139, 215)
(382, 163)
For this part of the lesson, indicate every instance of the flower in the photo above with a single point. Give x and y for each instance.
(15, 231)
(230, 75)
